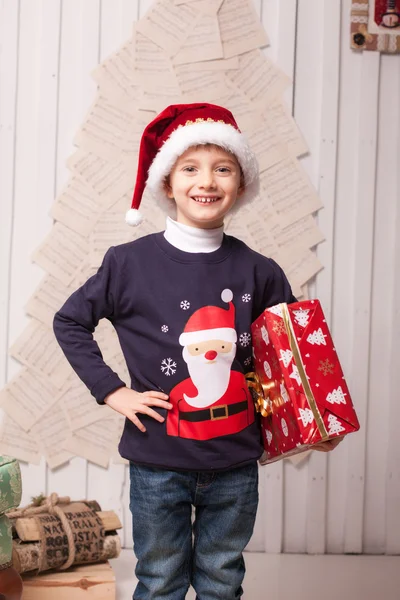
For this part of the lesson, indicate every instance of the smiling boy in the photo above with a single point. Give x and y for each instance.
(182, 302)
(211, 177)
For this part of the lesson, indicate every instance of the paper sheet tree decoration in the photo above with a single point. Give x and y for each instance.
(198, 50)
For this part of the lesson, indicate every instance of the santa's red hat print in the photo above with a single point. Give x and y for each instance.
(175, 130)
(211, 323)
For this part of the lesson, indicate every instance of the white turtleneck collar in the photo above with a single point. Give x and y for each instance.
(193, 239)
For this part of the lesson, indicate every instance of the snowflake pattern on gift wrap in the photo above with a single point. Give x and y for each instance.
(326, 367)
(185, 305)
(268, 435)
(246, 298)
(284, 427)
(247, 362)
(244, 339)
(165, 328)
(168, 367)
(279, 327)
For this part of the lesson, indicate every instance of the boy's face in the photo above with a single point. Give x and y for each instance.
(205, 183)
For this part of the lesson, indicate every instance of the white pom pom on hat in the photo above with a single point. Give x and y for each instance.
(133, 217)
(172, 132)
(227, 295)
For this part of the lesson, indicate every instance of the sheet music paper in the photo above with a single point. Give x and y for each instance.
(289, 190)
(168, 25)
(16, 442)
(27, 397)
(37, 349)
(240, 27)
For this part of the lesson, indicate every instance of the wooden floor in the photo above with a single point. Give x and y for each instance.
(298, 577)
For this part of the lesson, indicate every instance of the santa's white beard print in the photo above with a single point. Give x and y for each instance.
(211, 378)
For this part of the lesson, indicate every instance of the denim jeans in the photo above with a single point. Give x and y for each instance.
(172, 553)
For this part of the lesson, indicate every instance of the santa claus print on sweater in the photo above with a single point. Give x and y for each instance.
(215, 400)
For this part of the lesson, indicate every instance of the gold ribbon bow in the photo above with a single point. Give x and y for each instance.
(263, 402)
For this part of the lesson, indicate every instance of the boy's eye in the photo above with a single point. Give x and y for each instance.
(223, 169)
(189, 169)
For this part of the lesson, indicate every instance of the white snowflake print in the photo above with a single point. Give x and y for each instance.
(268, 435)
(284, 427)
(165, 328)
(246, 297)
(247, 362)
(168, 366)
(244, 339)
(185, 305)
(306, 416)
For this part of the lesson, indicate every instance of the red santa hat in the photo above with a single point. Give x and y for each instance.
(211, 323)
(171, 133)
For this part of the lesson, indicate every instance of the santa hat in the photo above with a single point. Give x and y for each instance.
(171, 133)
(211, 323)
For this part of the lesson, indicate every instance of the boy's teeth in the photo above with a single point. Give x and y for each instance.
(198, 199)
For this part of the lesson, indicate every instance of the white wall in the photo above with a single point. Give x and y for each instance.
(347, 107)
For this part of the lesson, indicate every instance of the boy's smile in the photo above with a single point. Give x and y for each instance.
(205, 183)
(205, 199)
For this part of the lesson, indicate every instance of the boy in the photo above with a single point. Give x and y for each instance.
(182, 303)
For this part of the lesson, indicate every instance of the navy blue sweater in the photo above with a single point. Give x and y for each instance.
(152, 293)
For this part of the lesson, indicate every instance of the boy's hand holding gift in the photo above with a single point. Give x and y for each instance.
(298, 383)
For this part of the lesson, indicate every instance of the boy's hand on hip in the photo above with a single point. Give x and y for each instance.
(129, 403)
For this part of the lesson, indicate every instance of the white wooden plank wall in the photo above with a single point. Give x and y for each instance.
(346, 105)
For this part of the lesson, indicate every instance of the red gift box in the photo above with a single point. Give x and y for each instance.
(298, 382)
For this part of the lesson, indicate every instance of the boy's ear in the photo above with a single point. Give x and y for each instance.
(241, 188)
(168, 188)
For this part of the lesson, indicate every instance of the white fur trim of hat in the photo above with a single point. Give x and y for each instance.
(227, 334)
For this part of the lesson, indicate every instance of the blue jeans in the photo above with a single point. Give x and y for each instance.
(173, 554)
